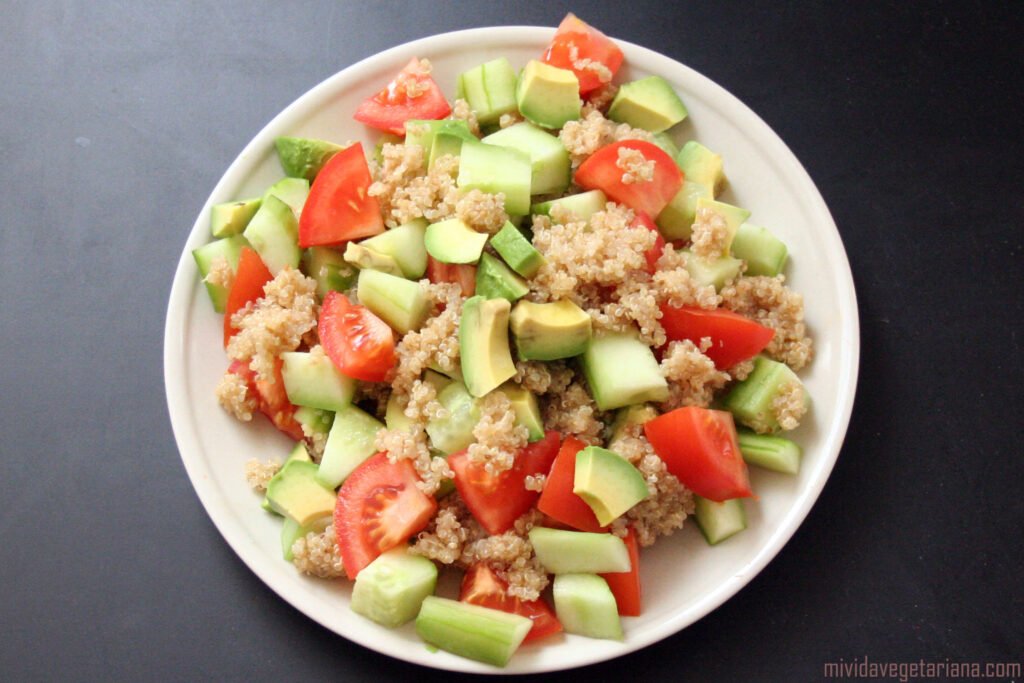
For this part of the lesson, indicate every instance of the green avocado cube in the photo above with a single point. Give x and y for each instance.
(649, 103)
(517, 251)
(548, 96)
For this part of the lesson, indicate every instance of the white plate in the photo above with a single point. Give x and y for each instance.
(683, 578)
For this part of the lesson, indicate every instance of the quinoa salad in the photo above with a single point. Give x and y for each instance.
(520, 339)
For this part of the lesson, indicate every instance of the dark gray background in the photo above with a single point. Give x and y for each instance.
(116, 120)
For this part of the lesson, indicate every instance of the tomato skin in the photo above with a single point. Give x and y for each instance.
(339, 207)
(601, 172)
(699, 447)
(590, 44)
(379, 508)
(497, 502)
(557, 499)
(625, 586)
(481, 586)
(734, 338)
(654, 253)
(391, 107)
(247, 286)
(462, 274)
(271, 398)
(360, 344)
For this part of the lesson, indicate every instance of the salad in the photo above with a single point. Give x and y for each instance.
(514, 340)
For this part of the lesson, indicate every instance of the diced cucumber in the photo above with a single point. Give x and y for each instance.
(421, 132)
(394, 415)
(292, 531)
(445, 144)
(579, 552)
(494, 169)
(314, 420)
(455, 432)
(452, 241)
(751, 401)
(313, 380)
(349, 444)
(675, 222)
(365, 258)
(401, 303)
(549, 160)
(770, 452)
(328, 267)
(734, 216)
(490, 90)
(495, 280)
(405, 245)
(515, 248)
(274, 233)
(719, 521)
(701, 165)
(230, 218)
(480, 633)
(667, 144)
(391, 589)
(716, 273)
(230, 249)
(622, 370)
(291, 191)
(582, 205)
(764, 253)
(585, 605)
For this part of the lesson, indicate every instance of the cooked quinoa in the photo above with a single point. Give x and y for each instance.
(709, 239)
(498, 437)
(234, 396)
(584, 137)
(482, 211)
(259, 474)
(317, 554)
(768, 301)
(693, 379)
(789, 406)
(635, 167)
(220, 273)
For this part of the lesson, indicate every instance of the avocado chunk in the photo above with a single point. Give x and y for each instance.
(483, 344)
(607, 483)
(649, 103)
(626, 417)
(421, 132)
(734, 216)
(585, 605)
(622, 370)
(675, 222)
(291, 191)
(550, 331)
(481, 633)
(364, 258)
(579, 552)
(494, 169)
(517, 251)
(490, 90)
(349, 444)
(312, 380)
(304, 157)
(716, 273)
(405, 245)
(401, 303)
(296, 493)
(274, 233)
(394, 415)
(229, 249)
(701, 165)
(455, 432)
(391, 589)
(764, 253)
(452, 241)
(230, 218)
(548, 96)
(549, 159)
(299, 452)
(580, 206)
(328, 267)
(495, 280)
(525, 406)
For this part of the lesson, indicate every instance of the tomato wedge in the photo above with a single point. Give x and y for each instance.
(379, 507)
(498, 501)
(734, 338)
(412, 94)
(247, 286)
(481, 586)
(271, 398)
(360, 344)
(575, 41)
(462, 274)
(557, 499)
(339, 207)
(601, 171)
(699, 447)
(654, 253)
(625, 586)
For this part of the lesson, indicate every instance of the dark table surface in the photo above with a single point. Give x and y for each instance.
(117, 120)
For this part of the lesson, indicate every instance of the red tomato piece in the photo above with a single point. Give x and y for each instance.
(576, 41)
(625, 586)
(557, 499)
(699, 447)
(412, 94)
(654, 253)
(247, 286)
(734, 338)
(462, 274)
(360, 344)
(271, 398)
(481, 586)
(379, 508)
(601, 171)
(339, 207)
(498, 501)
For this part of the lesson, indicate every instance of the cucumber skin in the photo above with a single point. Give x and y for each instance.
(376, 596)
(770, 452)
(471, 631)
(710, 516)
(586, 606)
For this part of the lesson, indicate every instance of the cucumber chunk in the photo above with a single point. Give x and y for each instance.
(585, 605)
(480, 633)
(422, 132)
(622, 370)
(405, 245)
(401, 303)
(752, 400)
(715, 273)
(230, 218)
(455, 432)
(582, 205)
(391, 589)
(313, 381)
(770, 452)
(230, 249)
(549, 160)
(274, 233)
(719, 521)
(314, 421)
(494, 169)
(675, 222)
(764, 253)
(291, 191)
(328, 267)
(579, 552)
(490, 90)
(394, 415)
(349, 444)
